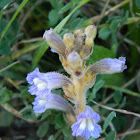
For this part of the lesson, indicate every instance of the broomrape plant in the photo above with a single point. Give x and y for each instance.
(73, 50)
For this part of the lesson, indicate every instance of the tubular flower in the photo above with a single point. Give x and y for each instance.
(42, 83)
(109, 66)
(86, 125)
(51, 101)
(55, 41)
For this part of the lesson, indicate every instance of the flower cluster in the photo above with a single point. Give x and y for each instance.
(41, 86)
(73, 50)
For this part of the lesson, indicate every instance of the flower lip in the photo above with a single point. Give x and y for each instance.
(90, 124)
(83, 124)
(34, 74)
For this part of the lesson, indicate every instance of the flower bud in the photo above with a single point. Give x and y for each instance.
(76, 32)
(91, 31)
(74, 59)
(55, 41)
(79, 42)
(69, 41)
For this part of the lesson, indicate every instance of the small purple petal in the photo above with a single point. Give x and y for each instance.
(33, 90)
(88, 113)
(96, 133)
(32, 75)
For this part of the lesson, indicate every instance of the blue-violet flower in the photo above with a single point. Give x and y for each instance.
(109, 66)
(42, 83)
(86, 125)
(51, 101)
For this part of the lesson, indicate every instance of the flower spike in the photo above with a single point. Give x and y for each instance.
(86, 125)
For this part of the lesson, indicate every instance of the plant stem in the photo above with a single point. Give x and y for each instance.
(13, 111)
(97, 18)
(123, 90)
(80, 95)
(9, 66)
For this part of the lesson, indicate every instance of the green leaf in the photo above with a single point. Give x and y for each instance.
(27, 57)
(3, 22)
(74, 16)
(51, 137)
(115, 24)
(5, 94)
(111, 136)
(13, 75)
(95, 89)
(100, 52)
(119, 122)
(6, 119)
(4, 48)
(123, 103)
(60, 121)
(76, 1)
(39, 54)
(67, 134)
(116, 79)
(117, 96)
(108, 120)
(76, 24)
(104, 33)
(53, 3)
(43, 129)
(53, 17)
(27, 113)
(46, 114)
(138, 3)
(66, 7)
(114, 42)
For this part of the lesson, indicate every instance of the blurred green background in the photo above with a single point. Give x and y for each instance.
(22, 24)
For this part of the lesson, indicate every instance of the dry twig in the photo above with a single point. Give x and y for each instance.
(117, 110)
